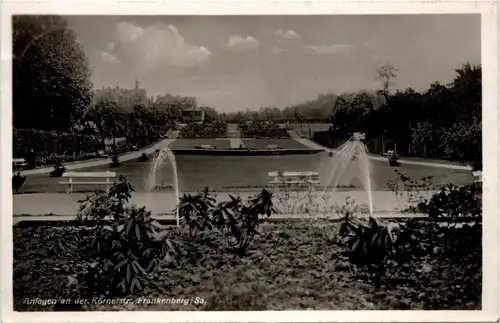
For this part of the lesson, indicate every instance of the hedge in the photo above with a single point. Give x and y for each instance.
(47, 144)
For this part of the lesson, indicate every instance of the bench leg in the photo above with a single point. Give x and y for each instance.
(70, 186)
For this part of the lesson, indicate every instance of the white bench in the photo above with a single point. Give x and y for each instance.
(19, 162)
(389, 153)
(294, 178)
(72, 175)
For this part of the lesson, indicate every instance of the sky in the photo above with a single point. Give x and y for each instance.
(232, 63)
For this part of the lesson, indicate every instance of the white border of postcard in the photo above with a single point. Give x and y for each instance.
(489, 28)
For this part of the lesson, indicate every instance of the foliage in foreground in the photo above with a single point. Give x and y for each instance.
(127, 243)
(399, 254)
(290, 267)
(414, 264)
(236, 219)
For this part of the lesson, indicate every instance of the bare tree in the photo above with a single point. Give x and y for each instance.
(386, 74)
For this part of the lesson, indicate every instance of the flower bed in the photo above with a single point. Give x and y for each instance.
(263, 130)
(217, 129)
(290, 266)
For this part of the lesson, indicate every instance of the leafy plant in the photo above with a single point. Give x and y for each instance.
(143, 158)
(413, 190)
(394, 160)
(194, 210)
(241, 221)
(453, 203)
(59, 169)
(369, 245)
(115, 161)
(17, 182)
(127, 244)
(238, 220)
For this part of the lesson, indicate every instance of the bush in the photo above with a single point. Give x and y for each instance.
(263, 130)
(417, 254)
(115, 162)
(237, 220)
(127, 244)
(49, 144)
(215, 129)
(453, 203)
(144, 158)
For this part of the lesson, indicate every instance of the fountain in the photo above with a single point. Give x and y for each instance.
(353, 151)
(165, 154)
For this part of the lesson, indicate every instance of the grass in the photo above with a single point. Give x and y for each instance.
(230, 171)
(289, 267)
(283, 143)
(192, 143)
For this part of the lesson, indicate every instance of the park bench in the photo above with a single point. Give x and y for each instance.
(273, 147)
(389, 153)
(19, 163)
(205, 147)
(293, 178)
(77, 175)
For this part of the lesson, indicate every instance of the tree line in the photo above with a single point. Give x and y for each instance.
(53, 96)
(444, 120)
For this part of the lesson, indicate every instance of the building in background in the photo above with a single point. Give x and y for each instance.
(122, 96)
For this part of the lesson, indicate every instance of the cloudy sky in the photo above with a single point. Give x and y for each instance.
(232, 63)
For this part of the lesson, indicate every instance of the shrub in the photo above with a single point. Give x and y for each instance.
(126, 245)
(115, 161)
(195, 211)
(263, 129)
(421, 253)
(144, 158)
(412, 189)
(215, 129)
(369, 245)
(47, 144)
(17, 182)
(239, 221)
(453, 203)
(59, 169)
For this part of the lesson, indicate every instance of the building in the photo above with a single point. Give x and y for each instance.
(192, 114)
(122, 96)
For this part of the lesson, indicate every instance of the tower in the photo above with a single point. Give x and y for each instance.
(136, 84)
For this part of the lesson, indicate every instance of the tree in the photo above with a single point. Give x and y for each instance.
(386, 75)
(51, 77)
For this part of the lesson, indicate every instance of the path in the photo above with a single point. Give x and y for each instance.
(314, 145)
(171, 217)
(164, 202)
(234, 136)
(104, 161)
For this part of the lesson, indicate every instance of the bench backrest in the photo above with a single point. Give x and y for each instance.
(90, 174)
(293, 176)
(18, 161)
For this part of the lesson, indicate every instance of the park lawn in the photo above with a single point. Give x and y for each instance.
(192, 143)
(290, 266)
(223, 172)
(263, 143)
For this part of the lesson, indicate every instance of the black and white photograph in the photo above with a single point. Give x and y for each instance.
(249, 162)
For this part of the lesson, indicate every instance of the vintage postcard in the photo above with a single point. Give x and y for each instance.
(250, 162)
